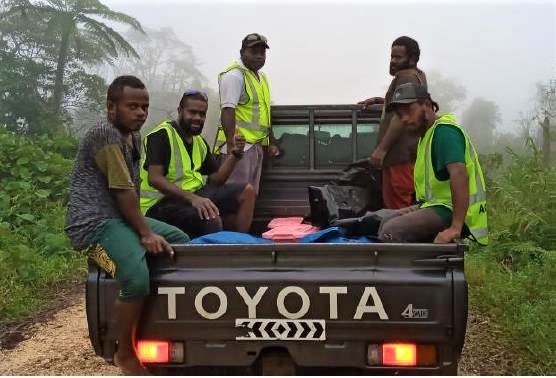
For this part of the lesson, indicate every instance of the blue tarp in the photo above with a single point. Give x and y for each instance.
(229, 237)
(328, 235)
(333, 235)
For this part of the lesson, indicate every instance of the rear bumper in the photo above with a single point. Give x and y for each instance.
(348, 355)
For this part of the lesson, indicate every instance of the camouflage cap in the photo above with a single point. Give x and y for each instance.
(254, 39)
(408, 93)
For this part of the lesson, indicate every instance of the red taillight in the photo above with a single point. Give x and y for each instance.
(398, 354)
(149, 351)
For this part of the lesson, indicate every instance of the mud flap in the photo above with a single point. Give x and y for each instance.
(276, 362)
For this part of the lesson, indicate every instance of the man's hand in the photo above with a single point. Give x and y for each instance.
(238, 147)
(377, 157)
(156, 244)
(447, 236)
(239, 142)
(273, 150)
(365, 104)
(205, 207)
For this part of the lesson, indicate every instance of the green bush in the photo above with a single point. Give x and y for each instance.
(34, 252)
(514, 278)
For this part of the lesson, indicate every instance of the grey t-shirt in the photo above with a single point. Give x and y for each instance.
(104, 161)
(231, 87)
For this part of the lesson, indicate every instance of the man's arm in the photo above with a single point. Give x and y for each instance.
(230, 87)
(128, 204)
(205, 207)
(273, 149)
(393, 132)
(220, 175)
(459, 187)
(396, 128)
(228, 121)
(224, 171)
(365, 104)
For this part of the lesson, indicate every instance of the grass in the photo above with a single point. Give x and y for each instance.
(32, 264)
(514, 278)
(521, 297)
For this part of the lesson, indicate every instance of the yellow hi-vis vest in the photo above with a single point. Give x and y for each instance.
(432, 192)
(183, 170)
(253, 116)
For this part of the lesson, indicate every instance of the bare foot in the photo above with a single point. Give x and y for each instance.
(130, 365)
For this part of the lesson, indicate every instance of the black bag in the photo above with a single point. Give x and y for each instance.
(362, 174)
(357, 190)
(331, 202)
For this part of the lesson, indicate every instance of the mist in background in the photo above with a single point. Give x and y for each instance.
(338, 52)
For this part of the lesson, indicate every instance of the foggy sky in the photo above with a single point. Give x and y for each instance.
(338, 52)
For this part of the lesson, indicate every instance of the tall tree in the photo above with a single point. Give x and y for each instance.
(78, 33)
(24, 74)
(545, 109)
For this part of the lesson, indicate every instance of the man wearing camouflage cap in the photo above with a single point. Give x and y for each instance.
(245, 110)
(449, 182)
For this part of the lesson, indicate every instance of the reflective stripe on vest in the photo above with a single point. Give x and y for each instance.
(183, 170)
(432, 191)
(252, 117)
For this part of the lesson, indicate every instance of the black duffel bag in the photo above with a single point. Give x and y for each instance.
(356, 191)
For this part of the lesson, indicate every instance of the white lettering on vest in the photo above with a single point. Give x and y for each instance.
(377, 306)
(305, 302)
(222, 308)
(333, 292)
(171, 292)
(251, 302)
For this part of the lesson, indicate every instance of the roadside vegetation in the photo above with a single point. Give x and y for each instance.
(513, 280)
(35, 255)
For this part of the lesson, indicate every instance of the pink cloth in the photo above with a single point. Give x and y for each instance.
(288, 230)
(278, 222)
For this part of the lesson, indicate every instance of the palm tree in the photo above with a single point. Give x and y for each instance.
(79, 33)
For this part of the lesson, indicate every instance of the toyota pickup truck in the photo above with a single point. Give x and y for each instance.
(372, 308)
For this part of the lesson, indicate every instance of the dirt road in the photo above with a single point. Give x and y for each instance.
(60, 346)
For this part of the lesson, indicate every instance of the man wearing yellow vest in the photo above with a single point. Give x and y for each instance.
(172, 169)
(245, 110)
(449, 182)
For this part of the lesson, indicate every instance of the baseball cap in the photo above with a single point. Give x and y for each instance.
(254, 39)
(406, 94)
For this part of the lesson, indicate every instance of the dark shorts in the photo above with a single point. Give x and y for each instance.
(184, 216)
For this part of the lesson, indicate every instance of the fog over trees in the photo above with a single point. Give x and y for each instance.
(57, 56)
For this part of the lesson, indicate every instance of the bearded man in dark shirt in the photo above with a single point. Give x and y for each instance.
(396, 147)
(173, 189)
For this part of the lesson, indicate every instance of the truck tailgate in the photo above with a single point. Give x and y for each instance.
(328, 300)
